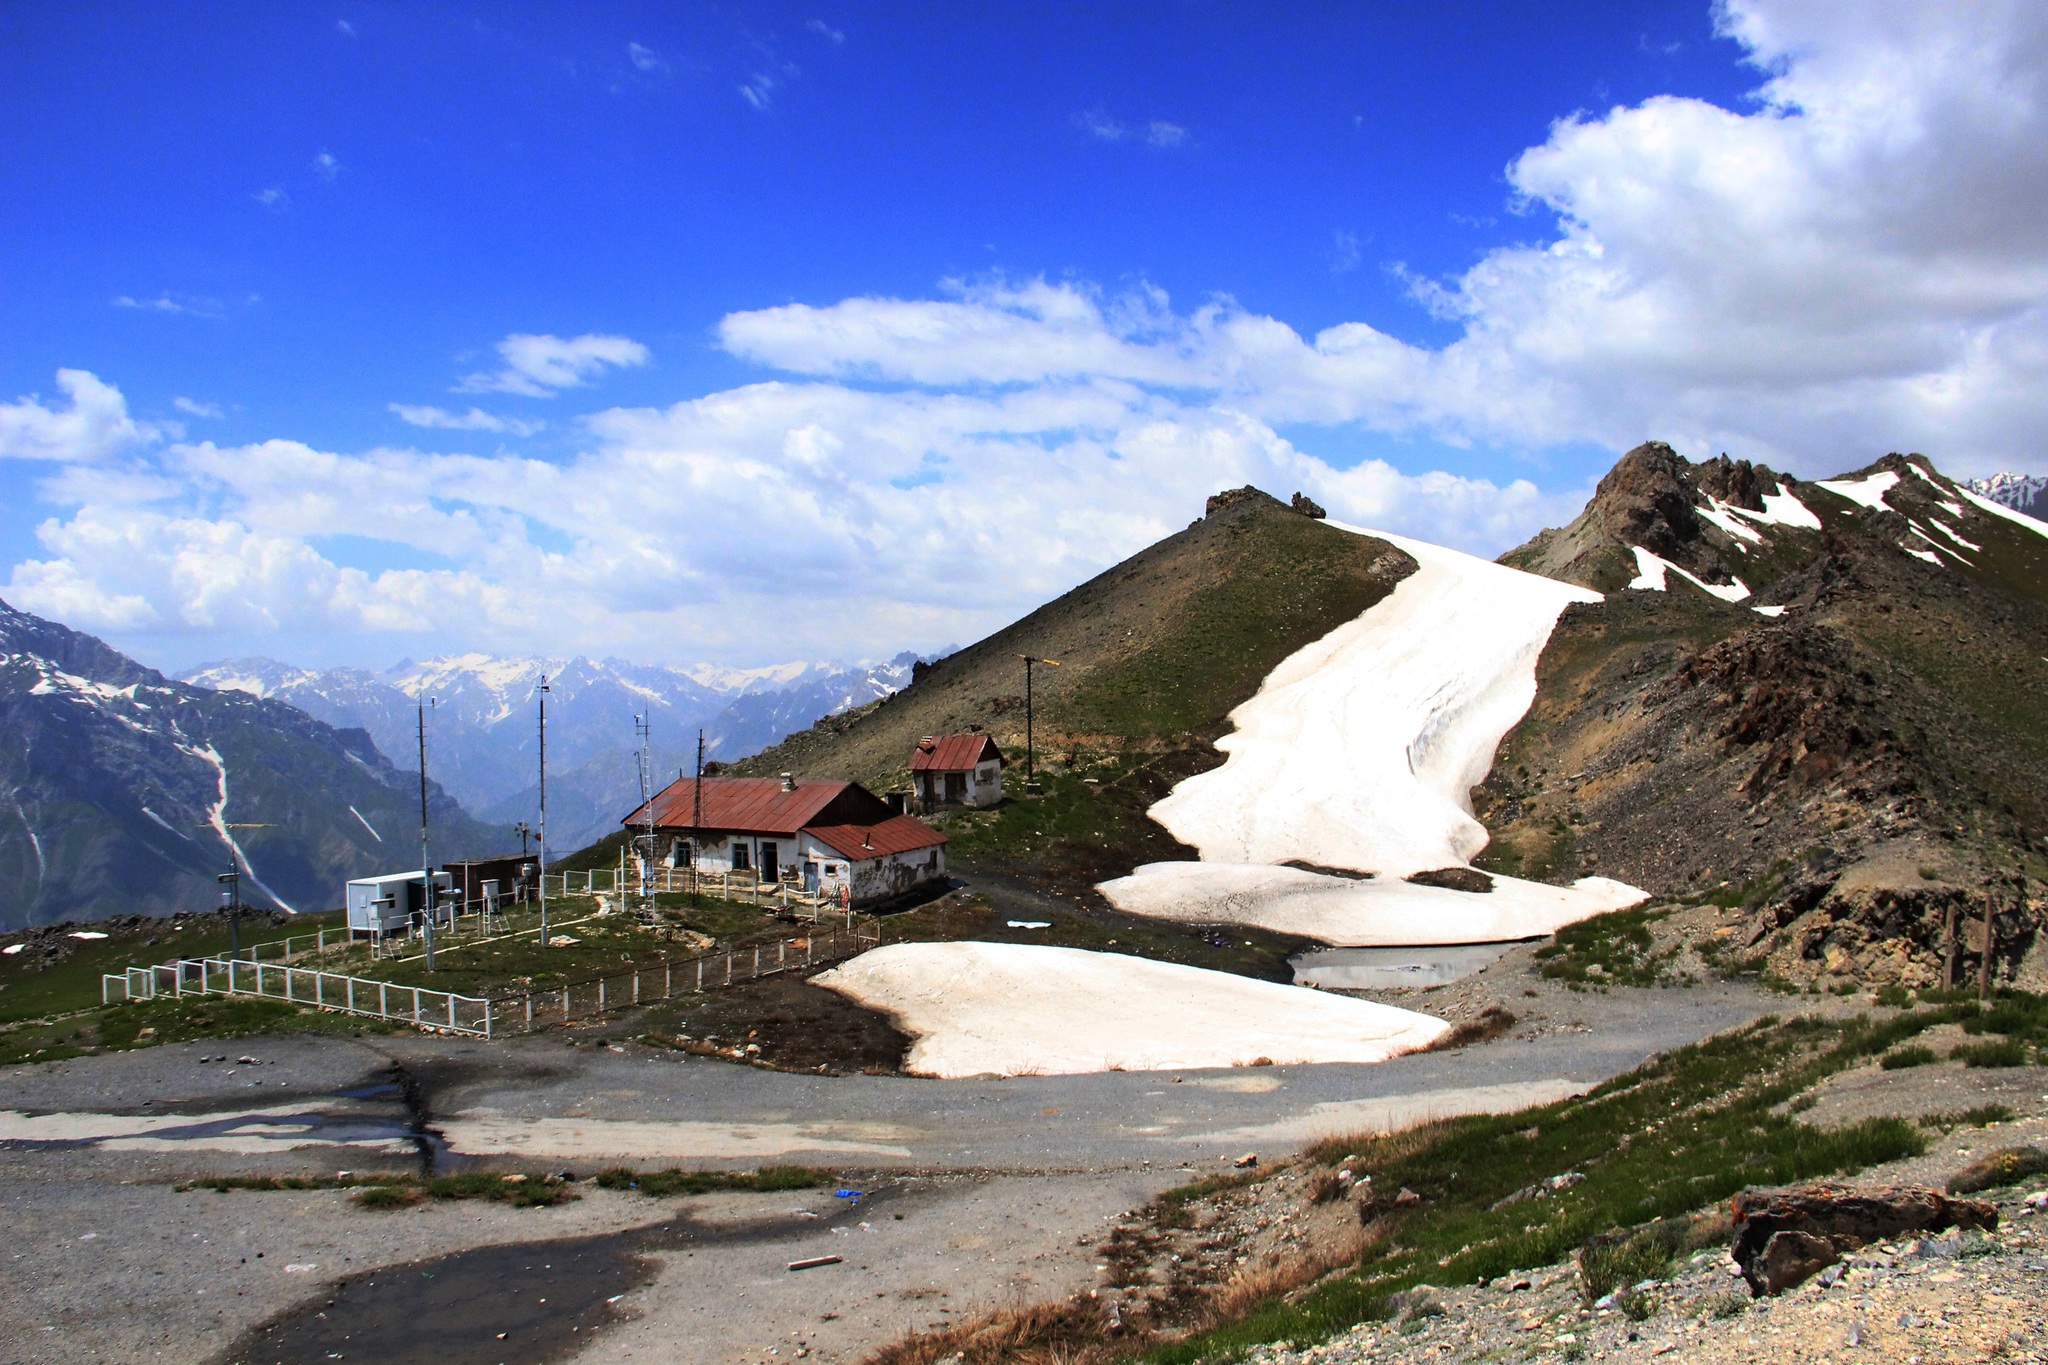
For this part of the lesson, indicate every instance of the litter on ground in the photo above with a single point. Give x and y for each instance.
(1025, 1009)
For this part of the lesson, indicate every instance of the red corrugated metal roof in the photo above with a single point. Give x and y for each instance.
(953, 753)
(897, 834)
(751, 805)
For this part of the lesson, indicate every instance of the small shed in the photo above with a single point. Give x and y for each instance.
(957, 770)
(386, 904)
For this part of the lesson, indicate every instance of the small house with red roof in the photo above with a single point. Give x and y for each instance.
(957, 770)
(829, 837)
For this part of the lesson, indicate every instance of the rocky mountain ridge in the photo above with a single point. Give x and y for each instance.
(127, 792)
(1818, 698)
(483, 734)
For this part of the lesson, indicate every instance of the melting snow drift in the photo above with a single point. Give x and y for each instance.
(1020, 1009)
(1360, 752)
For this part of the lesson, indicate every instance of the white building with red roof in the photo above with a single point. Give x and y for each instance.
(957, 770)
(827, 836)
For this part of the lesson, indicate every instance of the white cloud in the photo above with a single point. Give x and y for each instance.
(646, 58)
(165, 303)
(273, 198)
(344, 28)
(94, 426)
(476, 419)
(537, 365)
(326, 166)
(825, 30)
(196, 408)
(1101, 125)
(1851, 265)
(759, 91)
(1156, 133)
(899, 518)
(1346, 252)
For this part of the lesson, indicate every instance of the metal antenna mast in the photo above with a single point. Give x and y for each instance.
(643, 730)
(1030, 776)
(426, 867)
(542, 841)
(697, 816)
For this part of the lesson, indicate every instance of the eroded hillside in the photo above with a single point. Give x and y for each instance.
(1858, 765)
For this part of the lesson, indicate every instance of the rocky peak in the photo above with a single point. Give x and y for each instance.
(1651, 499)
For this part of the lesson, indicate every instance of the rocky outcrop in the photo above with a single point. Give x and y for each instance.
(1651, 498)
(1783, 1237)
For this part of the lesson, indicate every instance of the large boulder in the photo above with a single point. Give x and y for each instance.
(1784, 1236)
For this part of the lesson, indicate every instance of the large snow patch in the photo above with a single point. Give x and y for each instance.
(1360, 751)
(1353, 914)
(1020, 1009)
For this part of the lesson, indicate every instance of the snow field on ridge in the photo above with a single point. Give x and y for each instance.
(1360, 751)
(1024, 1009)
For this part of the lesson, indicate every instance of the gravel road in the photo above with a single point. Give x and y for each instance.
(1002, 1182)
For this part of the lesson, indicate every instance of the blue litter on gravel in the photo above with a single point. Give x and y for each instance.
(846, 1194)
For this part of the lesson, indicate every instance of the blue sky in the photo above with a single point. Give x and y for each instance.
(284, 224)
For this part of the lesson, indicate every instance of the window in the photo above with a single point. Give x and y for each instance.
(740, 861)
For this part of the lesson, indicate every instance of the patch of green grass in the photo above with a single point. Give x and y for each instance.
(1899, 1059)
(221, 1184)
(1895, 997)
(660, 1184)
(1280, 586)
(1685, 1131)
(1612, 949)
(522, 1191)
(1981, 1116)
(2003, 1052)
(146, 1023)
(29, 989)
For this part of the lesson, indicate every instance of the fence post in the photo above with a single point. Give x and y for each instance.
(351, 993)
(600, 995)
(529, 1009)
(288, 984)
(415, 1004)
(668, 979)
(781, 954)
(451, 1010)
(728, 969)
(636, 985)
(700, 976)
(565, 1004)
(383, 1000)
(320, 989)
(487, 1016)
(757, 959)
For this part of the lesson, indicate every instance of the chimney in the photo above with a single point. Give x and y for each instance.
(788, 782)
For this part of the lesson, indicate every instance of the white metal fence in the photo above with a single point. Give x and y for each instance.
(481, 1015)
(419, 1005)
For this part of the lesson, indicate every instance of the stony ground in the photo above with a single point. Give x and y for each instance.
(1917, 1301)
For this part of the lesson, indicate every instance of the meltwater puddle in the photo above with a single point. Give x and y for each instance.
(528, 1303)
(403, 1131)
(1378, 969)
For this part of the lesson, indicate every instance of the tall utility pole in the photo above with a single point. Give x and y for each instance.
(697, 817)
(1030, 774)
(541, 843)
(643, 730)
(426, 866)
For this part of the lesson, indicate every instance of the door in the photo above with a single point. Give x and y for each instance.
(768, 872)
(956, 788)
(811, 876)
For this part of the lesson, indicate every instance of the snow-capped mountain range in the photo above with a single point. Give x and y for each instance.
(483, 731)
(2026, 493)
(123, 791)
